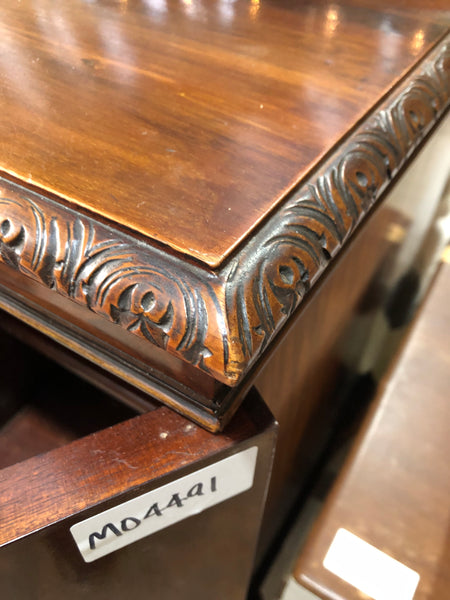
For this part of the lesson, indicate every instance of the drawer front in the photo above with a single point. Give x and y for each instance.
(176, 508)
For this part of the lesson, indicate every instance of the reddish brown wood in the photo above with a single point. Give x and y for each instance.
(344, 332)
(303, 376)
(141, 366)
(394, 490)
(434, 10)
(188, 123)
(356, 117)
(54, 492)
(43, 496)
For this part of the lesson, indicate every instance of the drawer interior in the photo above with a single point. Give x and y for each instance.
(44, 406)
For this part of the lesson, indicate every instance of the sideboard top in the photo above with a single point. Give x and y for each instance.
(187, 121)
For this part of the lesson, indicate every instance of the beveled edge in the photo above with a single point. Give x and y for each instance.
(221, 321)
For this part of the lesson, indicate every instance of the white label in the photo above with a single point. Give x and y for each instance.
(368, 569)
(128, 522)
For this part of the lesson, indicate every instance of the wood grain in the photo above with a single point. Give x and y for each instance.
(222, 321)
(218, 320)
(54, 492)
(306, 375)
(188, 122)
(394, 490)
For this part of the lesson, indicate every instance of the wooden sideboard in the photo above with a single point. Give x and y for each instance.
(176, 180)
(201, 197)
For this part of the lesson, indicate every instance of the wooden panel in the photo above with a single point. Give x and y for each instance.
(188, 121)
(306, 374)
(42, 497)
(395, 487)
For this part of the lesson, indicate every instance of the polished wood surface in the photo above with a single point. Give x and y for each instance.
(437, 11)
(219, 322)
(189, 121)
(394, 490)
(142, 310)
(53, 493)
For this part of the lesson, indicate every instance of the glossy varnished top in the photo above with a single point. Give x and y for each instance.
(188, 120)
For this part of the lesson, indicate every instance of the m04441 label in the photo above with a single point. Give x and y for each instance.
(137, 518)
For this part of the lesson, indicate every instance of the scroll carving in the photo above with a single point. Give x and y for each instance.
(111, 275)
(269, 278)
(222, 321)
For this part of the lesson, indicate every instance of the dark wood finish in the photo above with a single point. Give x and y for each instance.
(113, 349)
(100, 378)
(306, 372)
(126, 253)
(394, 490)
(43, 496)
(298, 175)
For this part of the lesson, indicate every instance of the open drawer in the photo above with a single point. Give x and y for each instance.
(152, 506)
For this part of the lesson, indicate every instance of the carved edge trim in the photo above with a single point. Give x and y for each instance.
(157, 297)
(269, 278)
(222, 321)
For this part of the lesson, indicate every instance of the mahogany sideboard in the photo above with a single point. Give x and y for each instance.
(199, 197)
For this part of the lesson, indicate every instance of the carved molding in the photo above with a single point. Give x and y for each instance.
(222, 321)
(132, 285)
(271, 275)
